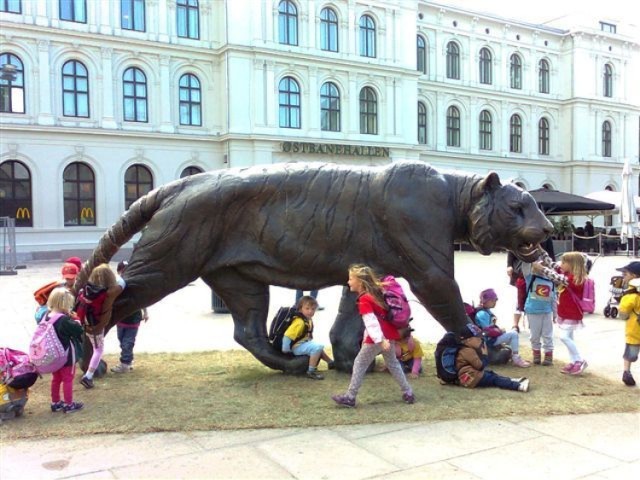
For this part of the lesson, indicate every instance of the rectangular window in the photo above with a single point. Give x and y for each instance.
(188, 18)
(10, 6)
(607, 27)
(132, 15)
(73, 10)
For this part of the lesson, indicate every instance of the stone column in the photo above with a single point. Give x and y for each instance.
(45, 116)
(104, 15)
(166, 125)
(108, 88)
(162, 19)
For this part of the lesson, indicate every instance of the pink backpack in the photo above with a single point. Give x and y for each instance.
(45, 350)
(588, 301)
(16, 370)
(399, 310)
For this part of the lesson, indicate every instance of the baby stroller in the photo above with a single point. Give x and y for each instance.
(611, 309)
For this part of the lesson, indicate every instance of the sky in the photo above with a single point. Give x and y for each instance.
(540, 11)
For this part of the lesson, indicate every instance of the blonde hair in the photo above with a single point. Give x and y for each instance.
(103, 276)
(60, 300)
(370, 281)
(577, 266)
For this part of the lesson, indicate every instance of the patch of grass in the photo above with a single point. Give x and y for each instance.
(232, 390)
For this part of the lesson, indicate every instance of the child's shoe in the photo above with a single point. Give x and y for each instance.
(568, 367)
(344, 400)
(57, 406)
(518, 361)
(86, 382)
(73, 407)
(409, 398)
(548, 359)
(627, 379)
(537, 357)
(579, 367)
(121, 368)
(314, 375)
(524, 385)
(519, 379)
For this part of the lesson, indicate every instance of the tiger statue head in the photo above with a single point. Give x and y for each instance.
(506, 217)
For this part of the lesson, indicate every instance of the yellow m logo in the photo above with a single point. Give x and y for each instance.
(86, 213)
(23, 212)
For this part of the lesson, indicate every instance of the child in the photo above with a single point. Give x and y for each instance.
(298, 338)
(69, 273)
(70, 334)
(472, 359)
(409, 352)
(127, 329)
(486, 320)
(541, 309)
(101, 276)
(570, 276)
(378, 336)
(629, 309)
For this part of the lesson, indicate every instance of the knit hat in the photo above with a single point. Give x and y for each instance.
(469, 331)
(76, 261)
(633, 267)
(69, 271)
(488, 294)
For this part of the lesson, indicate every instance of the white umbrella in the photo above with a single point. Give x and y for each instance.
(628, 213)
(610, 196)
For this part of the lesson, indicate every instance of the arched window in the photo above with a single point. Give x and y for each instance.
(515, 134)
(15, 193)
(328, 30)
(543, 76)
(422, 123)
(421, 63)
(79, 189)
(188, 18)
(543, 136)
(75, 89)
(134, 95)
(11, 84)
(289, 103)
(367, 36)
(485, 130)
(73, 10)
(190, 100)
(453, 127)
(368, 111)
(287, 23)
(132, 15)
(485, 66)
(606, 139)
(138, 181)
(187, 172)
(516, 72)
(329, 107)
(453, 61)
(608, 81)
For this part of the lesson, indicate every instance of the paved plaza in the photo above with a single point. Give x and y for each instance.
(594, 446)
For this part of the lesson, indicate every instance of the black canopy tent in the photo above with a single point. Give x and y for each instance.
(554, 202)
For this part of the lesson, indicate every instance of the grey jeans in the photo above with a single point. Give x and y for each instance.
(365, 356)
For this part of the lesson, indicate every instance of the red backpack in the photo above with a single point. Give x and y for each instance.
(89, 304)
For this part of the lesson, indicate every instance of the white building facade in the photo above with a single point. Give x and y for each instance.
(104, 100)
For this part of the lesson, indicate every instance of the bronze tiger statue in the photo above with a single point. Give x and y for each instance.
(301, 225)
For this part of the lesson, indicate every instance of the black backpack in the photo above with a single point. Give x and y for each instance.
(279, 325)
(445, 356)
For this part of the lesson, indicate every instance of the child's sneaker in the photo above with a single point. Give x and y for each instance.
(518, 361)
(568, 367)
(121, 368)
(409, 398)
(524, 385)
(627, 379)
(344, 400)
(519, 379)
(73, 407)
(57, 406)
(579, 367)
(86, 382)
(314, 375)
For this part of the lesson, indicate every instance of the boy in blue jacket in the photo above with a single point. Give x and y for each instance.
(541, 309)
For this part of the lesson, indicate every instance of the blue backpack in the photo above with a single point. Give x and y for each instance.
(445, 356)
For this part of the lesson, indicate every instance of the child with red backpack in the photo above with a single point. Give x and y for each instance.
(93, 308)
(70, 334)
